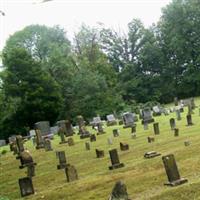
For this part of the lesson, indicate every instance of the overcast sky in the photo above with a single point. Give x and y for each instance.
(69, 14)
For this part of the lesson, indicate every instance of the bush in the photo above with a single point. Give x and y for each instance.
(4, 152)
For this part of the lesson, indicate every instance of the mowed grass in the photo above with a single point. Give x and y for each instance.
(144, 178)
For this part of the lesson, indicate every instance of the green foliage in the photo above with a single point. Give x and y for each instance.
(4, 152)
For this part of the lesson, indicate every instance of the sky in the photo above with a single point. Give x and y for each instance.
(70, 14)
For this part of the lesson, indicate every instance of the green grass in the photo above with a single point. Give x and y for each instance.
(144, 177)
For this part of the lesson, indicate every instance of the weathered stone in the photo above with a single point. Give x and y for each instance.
(62, 160)
(71, 173)
(31, 170)
(26, 186)
(128, 119)
(176, 101)
(93, 138)
(133, 129)
(87, 146)
(99, 153)
(172, 171)
(176, 132)
(124, 146)
(115, 160)
(70, 141)
(47, 145)
(156, 128)
(66, 127)
(19, 142)
(100, 129)
(146, 116)
(150, 139)
(44, 127)
(115, 132)
(2, 143)
(119, 192)
(62, 135)
(172, 123)
(157, 111)
(111, 120)
(178, 114)
(189, 120)
(151, 154)
(187, 143)
(39, 140)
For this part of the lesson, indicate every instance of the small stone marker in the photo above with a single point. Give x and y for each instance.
(146, 127)
(62, 160)
(178, 114)
(99, 153)
(100, 129)
(93, 138)
(133, 129)
(151, 154)
(156, 128)
(47, 145)
(62, 136)
(110, 142)
(189, 120)
(172, 123)
(71, 173)
(26, 186)
(187, 143)
(39, 140)
(115, 160)
(176, 132)
(124, 147)
(150, 139)
(87, 146)
(119, 192)
(115, 132)
(70, 141)
(172, 171)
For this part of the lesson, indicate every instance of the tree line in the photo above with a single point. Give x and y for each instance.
(48, 77)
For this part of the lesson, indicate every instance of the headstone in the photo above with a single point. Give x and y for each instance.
(19, 142)
(47, 145)
(172, 171)
(82, 129)
(62, 160)
(44, 127)
(31, 170)
(115, 160)
(70, 141)
(124, 146)
(190, 109)
(189, 120)
(146, 116)
(2, 143)
(12, 138)
(151, 154)
(133, 129)
(176, 132)
(172, 123)
(111, 120)
(187, 143)
(69, 128)
(157, 111)
(99, 153)
(96, 121)
(93, 138)
(145, 126)
(71, 173)
(193, 103)
(26, 159)
(156, 128)
(14, 148)
(150, 139)
(119, 192)
(62, 135)
(115, 132)
(110, 142)
(26, 186)
(100, 129)
(178, 114)
(128, 119)
(87, 146)
(39, 140)
(176, 101)
(54, 130)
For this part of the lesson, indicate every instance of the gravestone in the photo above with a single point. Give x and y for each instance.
(115, 132)
(150, 139)
(133, 129)
(12, 138)
(26, 159)
(124, 146)
(26, 186)
(44, 127)
(82, 129)
(62, 160)
(190, 109)
(100, 129)
(146, 127)
(193, 103)
(115, 160)
(31, 170)
(156, 128)
(87, 146)
(54, 130)
(151, 154)
(47, 145)
(110, 142)
(2, 143)
(119, 192)
(69, 128)
(14, 148)
(146, 116)
(187, 143)
(39, 139)
(156, 111)
(176, 132)
(111, 120)
(172, 171)
(19, 142)
(96, 121)
(99, 153)
(93, 138)
(128, 119)
(176, 101)
(62, 135)
(178, 114)
(172, 123)
(71, 173)
(189, 120)
(70, 141)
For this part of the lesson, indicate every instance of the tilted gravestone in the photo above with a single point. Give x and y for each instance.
(119, 192)
(31, 170)
(111, 120)
(172, 123)
(47, 145)
(176, 132)
(189, 120)
(146, 116)
(44, 127)
(71, 173)
(99, 153)
(128, 119)
(172, 171)
(70, 141)
(115, 132)
(87, 146)
(124, 146)
(156, 128)
(39, 139)
(115, 160)
(62, 160)
(26, 186)
(151, 154)
(93, 138)
(62, 135)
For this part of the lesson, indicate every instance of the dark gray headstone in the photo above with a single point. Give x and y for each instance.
(100, 129)
(44, 127)
(93, 138)
(156, 128)
(115, 160)
(146, 116)
(99, 153)
(26, 186)
(31, 170)
(62, 160)
(115, 132)
(124, 146)
(189, 120)
(172, 123)
(176, 132)
(128, 119)
(71, 173)
(150, 139)
(178, 114)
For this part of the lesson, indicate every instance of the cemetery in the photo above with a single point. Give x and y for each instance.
(103, 166)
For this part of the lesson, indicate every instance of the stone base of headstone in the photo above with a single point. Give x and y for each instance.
(124, 147)
(150, 139)
(71, 173)
(99, 153)
(26, 186)
(116, 166)
(151, 154)
(157, 114)
(148, 121)
(177, 182)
